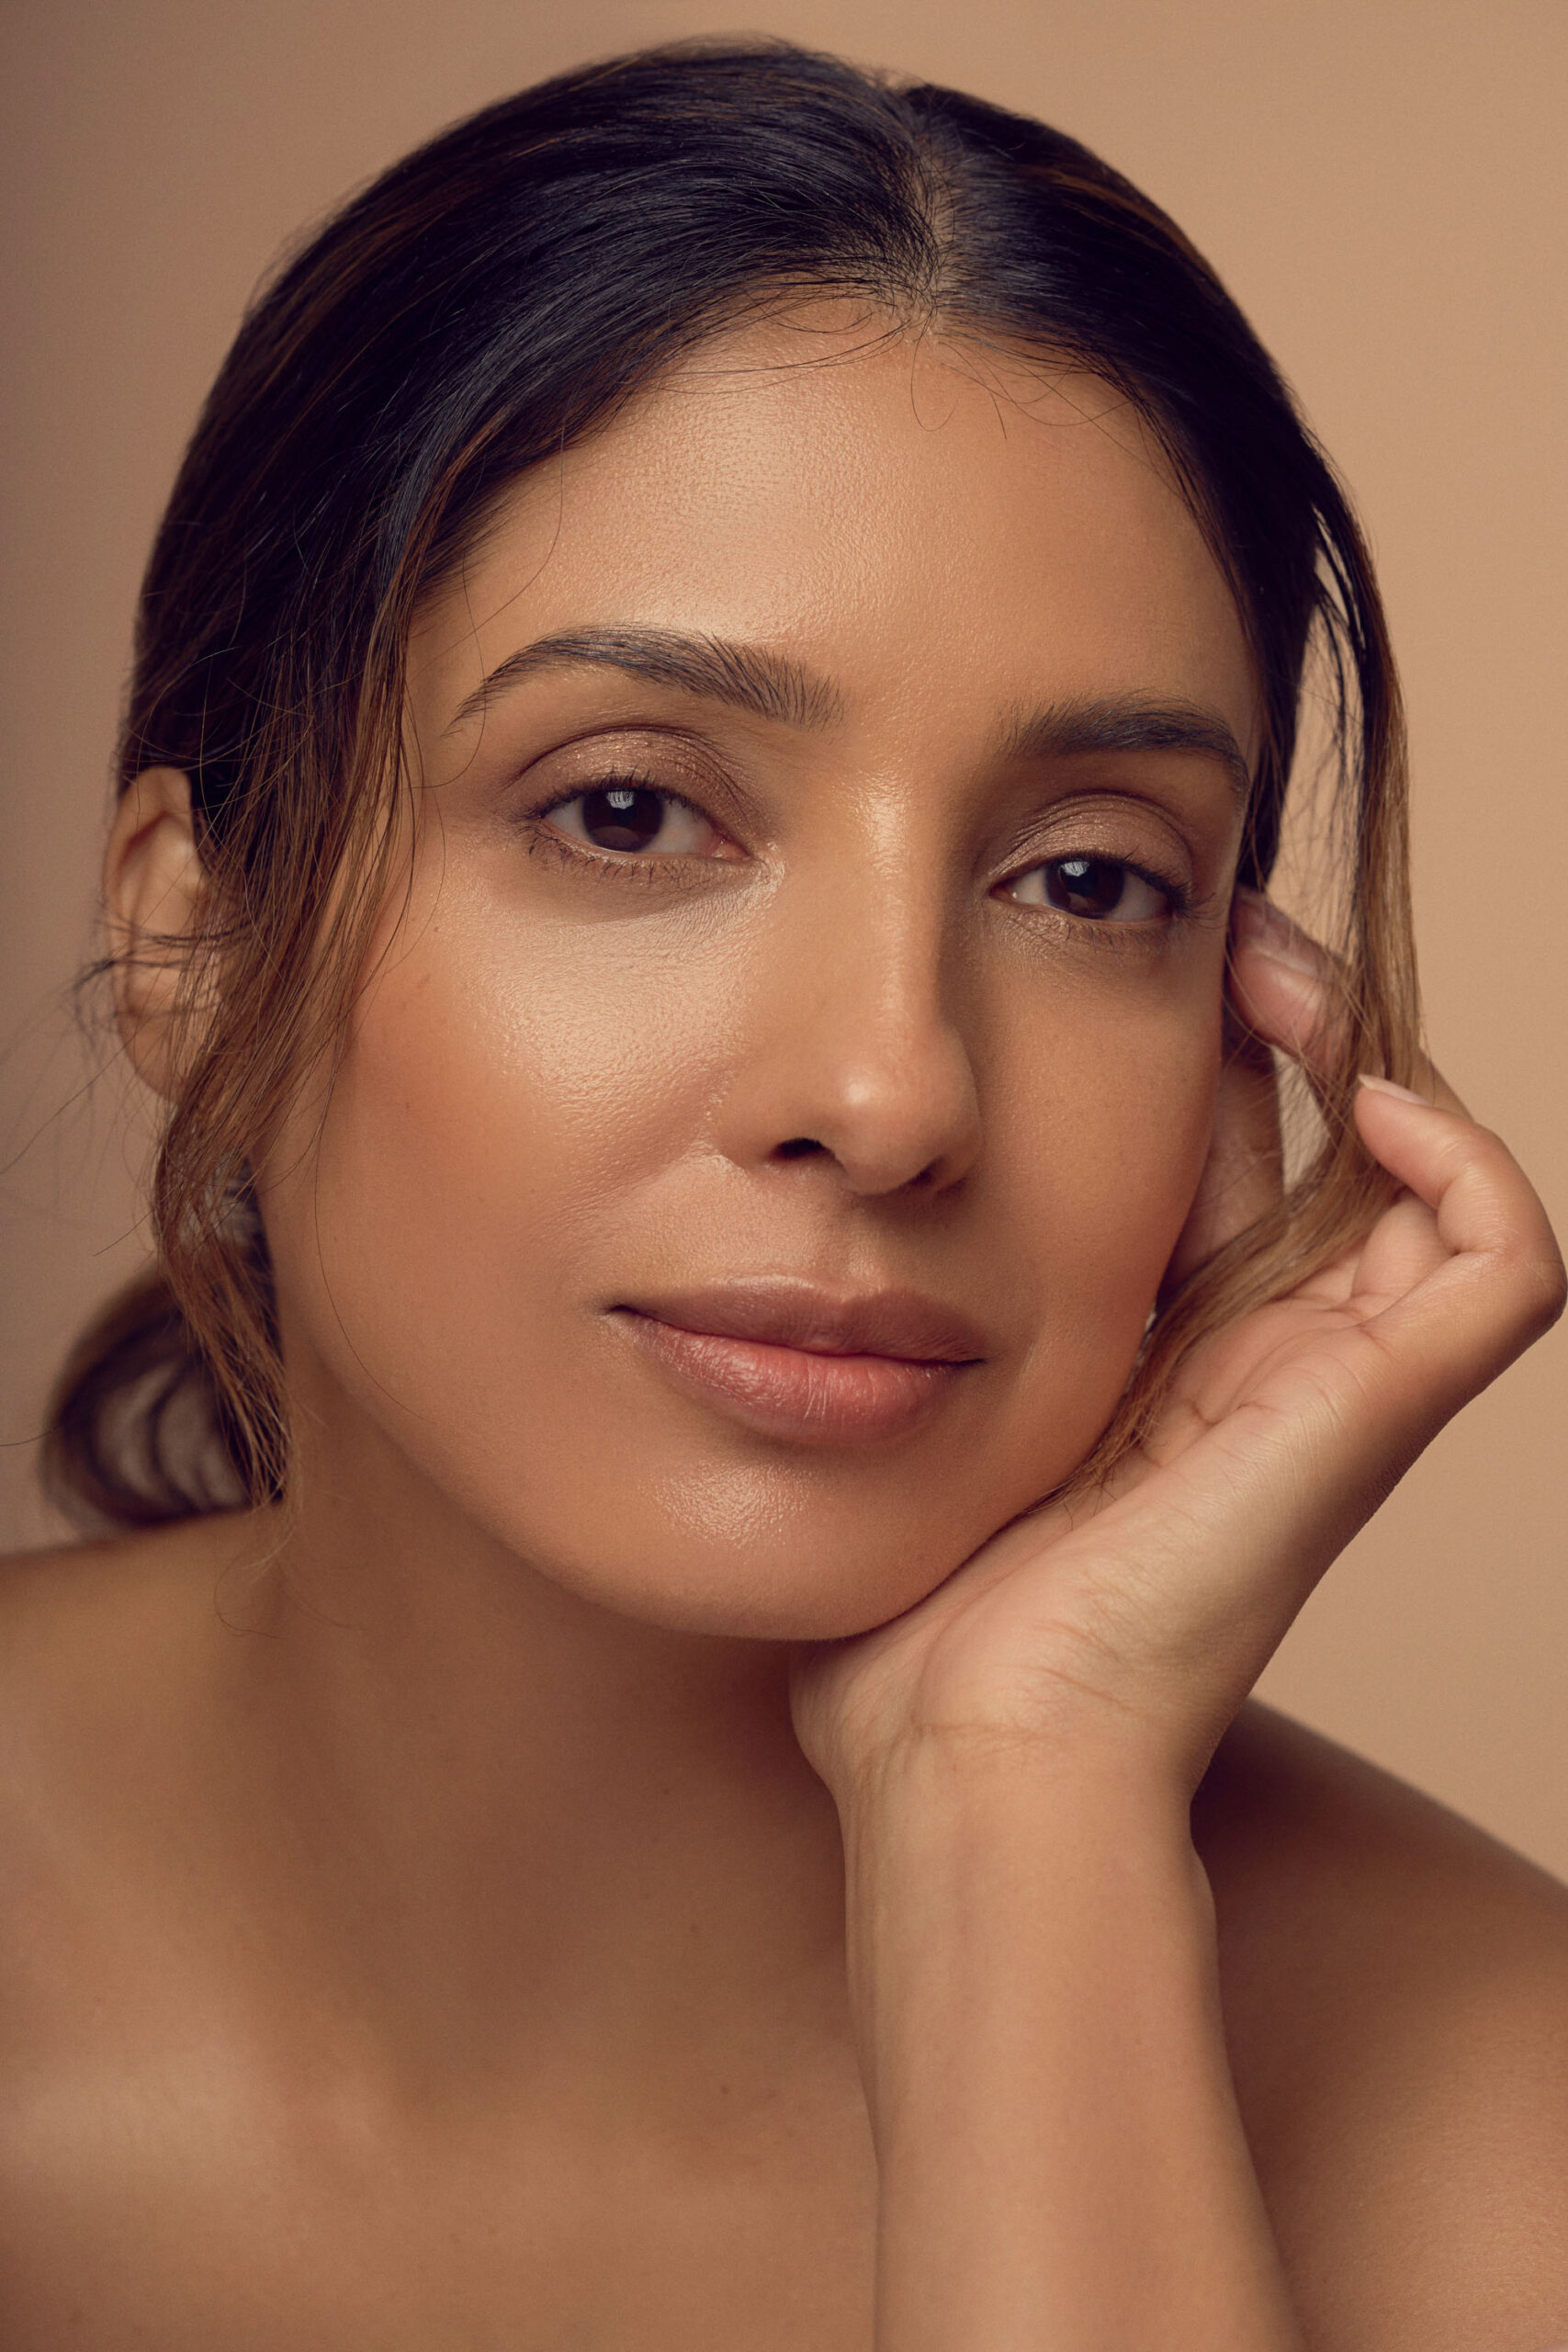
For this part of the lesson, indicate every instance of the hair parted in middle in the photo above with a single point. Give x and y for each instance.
(486, 303)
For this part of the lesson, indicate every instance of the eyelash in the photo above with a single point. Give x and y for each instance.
(634, 866)
(626, 866)
(1182, 900)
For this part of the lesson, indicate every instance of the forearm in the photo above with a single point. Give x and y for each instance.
(1061, 2163)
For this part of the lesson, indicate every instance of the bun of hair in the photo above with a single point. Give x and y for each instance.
(135, 1435)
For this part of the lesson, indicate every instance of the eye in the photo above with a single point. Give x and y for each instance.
(1101, 889)
(637, 819)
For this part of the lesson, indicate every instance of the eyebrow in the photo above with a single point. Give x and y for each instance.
(769, 685)
(747, 677)
(1128, 723)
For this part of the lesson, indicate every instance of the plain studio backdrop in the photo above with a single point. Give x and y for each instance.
(1381, 183)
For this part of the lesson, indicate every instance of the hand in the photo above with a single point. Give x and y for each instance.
(1137, 1619)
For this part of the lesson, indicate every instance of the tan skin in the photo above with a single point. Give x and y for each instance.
(428, 1908)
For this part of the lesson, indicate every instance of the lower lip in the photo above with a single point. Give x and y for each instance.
(796, 1393)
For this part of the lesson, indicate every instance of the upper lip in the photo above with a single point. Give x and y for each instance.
(785, 1311)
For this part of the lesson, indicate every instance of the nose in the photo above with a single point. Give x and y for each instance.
(850, 1053)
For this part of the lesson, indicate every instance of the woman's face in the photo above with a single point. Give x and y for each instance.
(775, 1101)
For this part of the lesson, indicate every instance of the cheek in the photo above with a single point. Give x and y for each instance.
(1104, 1126)
(499, 1100)
(522, 1107)
(1136, 1100)
(513, 1093)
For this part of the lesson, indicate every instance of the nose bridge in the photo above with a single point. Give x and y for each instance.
(857, 1042)
(884, 964)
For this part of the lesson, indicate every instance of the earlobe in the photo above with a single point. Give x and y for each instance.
(152, 890)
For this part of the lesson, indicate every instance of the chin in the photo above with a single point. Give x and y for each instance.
(683, 1520)
(741, 1560)
(826, 1594)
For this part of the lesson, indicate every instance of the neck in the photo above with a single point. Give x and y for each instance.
(517, 1812)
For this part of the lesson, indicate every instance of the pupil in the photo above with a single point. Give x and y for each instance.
(1086, 885)
(621, 816)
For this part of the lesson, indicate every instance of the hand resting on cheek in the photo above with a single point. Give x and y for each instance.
(651, 1750)
(1136, 1615)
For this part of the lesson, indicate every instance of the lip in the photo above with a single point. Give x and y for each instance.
(801, 1362)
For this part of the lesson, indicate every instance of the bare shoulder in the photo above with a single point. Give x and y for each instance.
(101, 1646)
(1395, 1988)
(87, 1612)
(67, 1591)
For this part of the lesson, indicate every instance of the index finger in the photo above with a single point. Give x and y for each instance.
(1290, 990)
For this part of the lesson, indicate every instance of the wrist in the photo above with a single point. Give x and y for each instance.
(1034, 1978)
(965, 1778)
(961, 1852)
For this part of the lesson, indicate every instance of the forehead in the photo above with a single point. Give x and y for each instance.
(942, 530)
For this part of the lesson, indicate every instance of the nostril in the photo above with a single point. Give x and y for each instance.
(799, 1147)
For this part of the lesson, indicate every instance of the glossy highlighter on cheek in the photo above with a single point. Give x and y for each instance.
(802, 995)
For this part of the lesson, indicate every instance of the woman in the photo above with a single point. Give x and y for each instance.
(735, 1391)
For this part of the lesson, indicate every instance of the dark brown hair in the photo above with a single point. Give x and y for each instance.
(486, 303)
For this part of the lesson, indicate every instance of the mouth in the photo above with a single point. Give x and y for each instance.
(799, 1362)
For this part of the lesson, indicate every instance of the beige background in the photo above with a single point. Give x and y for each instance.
(1382, 184)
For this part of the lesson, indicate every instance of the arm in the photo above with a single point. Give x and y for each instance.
(1032, 1939)
(1032, 1958)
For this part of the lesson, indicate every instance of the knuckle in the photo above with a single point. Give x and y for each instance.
(1538, 1284)
(1553, 1282)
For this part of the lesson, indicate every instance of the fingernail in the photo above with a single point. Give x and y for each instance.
(1260, 924)
(1387, 1086)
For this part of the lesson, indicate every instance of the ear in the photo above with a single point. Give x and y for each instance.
(152, 889)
